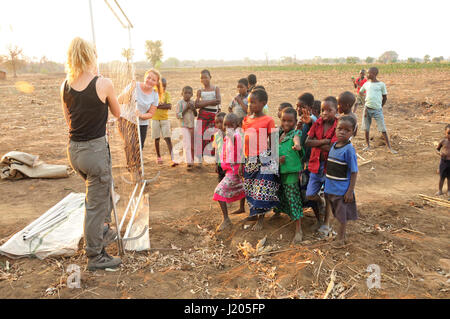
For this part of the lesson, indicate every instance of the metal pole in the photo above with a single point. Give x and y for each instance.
(128, 207)
(92, 22)
(130, 223)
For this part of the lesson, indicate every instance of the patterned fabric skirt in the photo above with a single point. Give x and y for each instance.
(261, 184)
(290, 201)
(129, 133)
(230, 189)
(207, 120)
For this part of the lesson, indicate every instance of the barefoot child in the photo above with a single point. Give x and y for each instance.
(260, 170)
(186, 113)
(342, 170)
(376, 97)
(230, 189)
(320, 137)
(444, 167)
(345, 102)
(282, 106)
(305, 106)
(208, 105)
(218, 143)
(291, 163)
(239, 105)
(358, 83)
(161, 123)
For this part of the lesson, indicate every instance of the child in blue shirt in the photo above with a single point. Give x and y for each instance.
(340, 180)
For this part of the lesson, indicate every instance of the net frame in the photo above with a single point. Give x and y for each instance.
(138, 175)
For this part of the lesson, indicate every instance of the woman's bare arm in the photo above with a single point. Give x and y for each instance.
(111, 97)
(63, 104)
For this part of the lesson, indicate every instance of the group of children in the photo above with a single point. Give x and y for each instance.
(313, 154)
(314, 150)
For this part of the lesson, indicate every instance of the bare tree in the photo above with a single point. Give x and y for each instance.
(13, 57)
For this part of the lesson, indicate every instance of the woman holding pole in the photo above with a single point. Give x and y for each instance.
(86, 98)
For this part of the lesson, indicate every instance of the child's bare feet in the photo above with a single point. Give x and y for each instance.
(393, 151)
(239, 211)
(339, 243)
(298, 238)
(225, 224)
(259, 224)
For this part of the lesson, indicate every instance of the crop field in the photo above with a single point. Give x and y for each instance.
(407, 237)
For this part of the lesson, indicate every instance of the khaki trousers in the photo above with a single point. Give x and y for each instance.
(92, 160)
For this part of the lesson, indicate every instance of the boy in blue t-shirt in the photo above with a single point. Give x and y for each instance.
(340, 180)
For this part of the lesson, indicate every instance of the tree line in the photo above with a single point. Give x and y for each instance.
(15, 60)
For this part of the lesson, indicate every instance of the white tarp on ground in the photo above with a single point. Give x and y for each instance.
(17, 165)
(61, 238)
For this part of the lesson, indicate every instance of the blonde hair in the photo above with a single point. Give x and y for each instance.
(159, 87)
(81, 56)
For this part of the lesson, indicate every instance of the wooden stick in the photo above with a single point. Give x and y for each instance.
(436, 200)
(347, 291)
(392, 279)
(413, 231)
(360, 157)
(330, 285)
(276, 251)
(318, 272)
(362, 164)
(281, 227)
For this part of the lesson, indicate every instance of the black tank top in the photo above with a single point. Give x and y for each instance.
(87, 113)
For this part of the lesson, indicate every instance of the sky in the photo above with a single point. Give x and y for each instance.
(231, 29)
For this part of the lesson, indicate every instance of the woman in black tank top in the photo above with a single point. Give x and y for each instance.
(85, 99)
(87, 113)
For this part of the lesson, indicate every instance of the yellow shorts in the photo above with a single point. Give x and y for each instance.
(160, 128)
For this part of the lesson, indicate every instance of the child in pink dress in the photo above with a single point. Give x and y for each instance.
(231, 188)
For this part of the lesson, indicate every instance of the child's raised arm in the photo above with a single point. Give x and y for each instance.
(297, 146)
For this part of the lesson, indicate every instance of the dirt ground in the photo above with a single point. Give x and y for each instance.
(405, 236)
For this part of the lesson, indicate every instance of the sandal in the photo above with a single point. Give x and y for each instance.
(324, 230)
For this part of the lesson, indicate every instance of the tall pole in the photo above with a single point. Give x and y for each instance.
(92, 22)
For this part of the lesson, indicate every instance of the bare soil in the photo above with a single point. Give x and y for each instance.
(405, 236)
